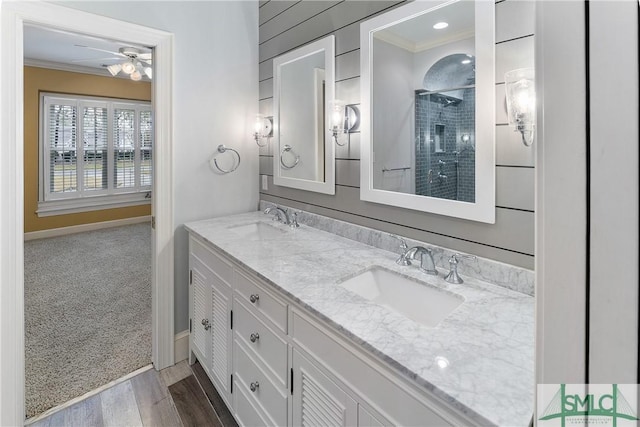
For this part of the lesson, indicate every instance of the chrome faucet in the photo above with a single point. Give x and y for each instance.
(280, 214)
(426, 257)
(453, 276)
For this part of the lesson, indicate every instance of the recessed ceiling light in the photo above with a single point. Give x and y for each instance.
(440, 25)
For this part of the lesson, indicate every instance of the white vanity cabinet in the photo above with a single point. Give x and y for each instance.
(260, 354)
(276, 364)
(210, 293)
(317, 400)
(382, 397)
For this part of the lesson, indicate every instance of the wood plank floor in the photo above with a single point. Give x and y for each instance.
(192, 404)
(143, 400)
(221, 410)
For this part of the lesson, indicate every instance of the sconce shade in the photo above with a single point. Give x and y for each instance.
(263, 128)
(337, 115)
(136, 76)
(344, 119)
(521, 102)
(128, 67)
(114, 69)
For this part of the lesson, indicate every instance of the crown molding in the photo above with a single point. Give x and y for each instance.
(412, 47)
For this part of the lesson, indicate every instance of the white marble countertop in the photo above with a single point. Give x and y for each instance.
(488, 340)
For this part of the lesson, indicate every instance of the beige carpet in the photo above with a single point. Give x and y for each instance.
(87, 312)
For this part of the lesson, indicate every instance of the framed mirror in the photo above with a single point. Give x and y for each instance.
(304, 90)
(428, 108)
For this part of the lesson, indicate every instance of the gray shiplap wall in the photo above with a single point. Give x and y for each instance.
(286, 25)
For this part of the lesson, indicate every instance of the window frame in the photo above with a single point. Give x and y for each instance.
(84, 199)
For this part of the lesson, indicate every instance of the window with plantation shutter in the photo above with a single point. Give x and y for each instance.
(146, 137)
(96, 153)
(61, 134)
(95, 137)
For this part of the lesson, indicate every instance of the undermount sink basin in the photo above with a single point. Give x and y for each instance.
(257, 230)
(418, 302)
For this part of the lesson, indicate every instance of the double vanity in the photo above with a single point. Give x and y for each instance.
(296, 325)
(299, 326)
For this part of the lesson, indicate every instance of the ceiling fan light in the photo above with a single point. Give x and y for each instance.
(128, 67)
(135, 76)
(114, 69)
(148, 71)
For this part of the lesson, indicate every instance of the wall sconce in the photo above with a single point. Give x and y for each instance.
(344, 119)
(263, 129)
(521, 102)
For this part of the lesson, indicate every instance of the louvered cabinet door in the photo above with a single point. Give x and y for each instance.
(220, 366)
(318, 401)
(201, 312)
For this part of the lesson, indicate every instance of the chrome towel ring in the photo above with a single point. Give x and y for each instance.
(222, 149)
(284, 150)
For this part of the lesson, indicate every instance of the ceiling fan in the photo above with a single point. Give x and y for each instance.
(133, 61)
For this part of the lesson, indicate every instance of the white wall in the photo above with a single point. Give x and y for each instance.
(613, 323)
(569, 153)
(394, 121)
(215, 102)
(298, 117)
(561, 210)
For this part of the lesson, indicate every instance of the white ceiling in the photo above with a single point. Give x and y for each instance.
(63, 50)
(418, 33)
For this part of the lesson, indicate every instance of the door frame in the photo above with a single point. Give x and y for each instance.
(13, 16)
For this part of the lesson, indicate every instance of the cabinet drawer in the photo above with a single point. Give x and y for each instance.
(246, 412)
(271, 398)
(220, 266)
(262, 301)
(389, 396)
(268, 345)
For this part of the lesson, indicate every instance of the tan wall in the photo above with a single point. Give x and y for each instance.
(38, 80)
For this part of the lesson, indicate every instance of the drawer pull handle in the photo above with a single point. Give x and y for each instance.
(254, 298)
(206, 324)
(254, 386)
(254, 337)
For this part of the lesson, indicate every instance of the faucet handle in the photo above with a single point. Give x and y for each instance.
(294, 220)
(403, 243)
(453, 276)
(455, 257)
(403, 259)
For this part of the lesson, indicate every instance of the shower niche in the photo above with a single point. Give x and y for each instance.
(445, 126)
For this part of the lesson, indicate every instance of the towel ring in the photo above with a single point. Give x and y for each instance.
(222, 149)
(284, 150)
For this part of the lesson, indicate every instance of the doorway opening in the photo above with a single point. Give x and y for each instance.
(15, 16)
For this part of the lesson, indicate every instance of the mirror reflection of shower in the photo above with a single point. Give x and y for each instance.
(445, 130)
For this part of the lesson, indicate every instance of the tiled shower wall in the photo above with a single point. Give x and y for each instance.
(286, 25)
(448, 174)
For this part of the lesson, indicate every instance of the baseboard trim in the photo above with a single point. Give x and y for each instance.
(181, 346)
(86, 395)
(62, 231)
